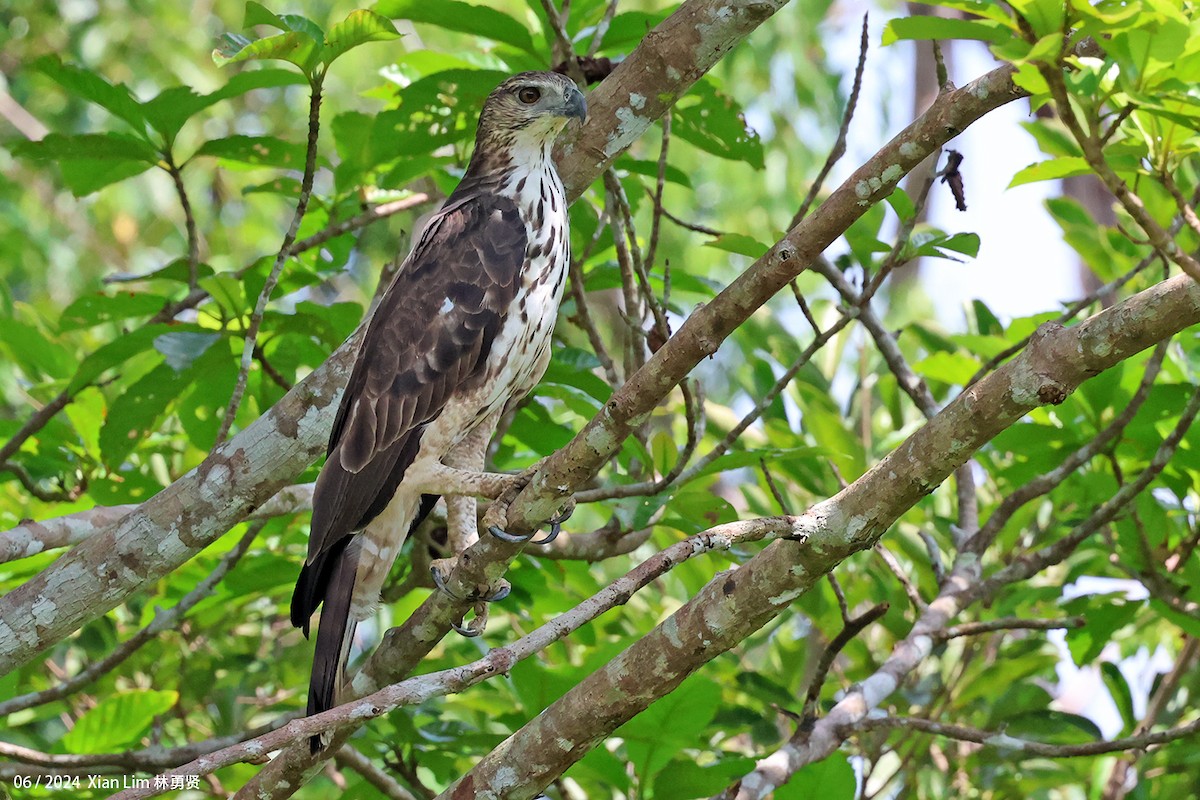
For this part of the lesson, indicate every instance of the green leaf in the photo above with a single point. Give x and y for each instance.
(358, 28)
(931, 27)
(1053, 727)
(133, 415)
(119, 350)
(258, 14)
(1105, 614)
(1121, 694)
(294, 47)
(258, 150)
(174, 106)
(202, 407)
(674, 722)
(739, 243)
(37, 354)
(453, 15)
(831, 778)
(86, 175)
(118, 720)
(738, 459)
(714, 123)
(684, 779)
(117, 100)
(181, 348)
(1055, 168)
(97, 146)
(98, 308)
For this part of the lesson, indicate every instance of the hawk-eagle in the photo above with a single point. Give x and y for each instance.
(463, 330)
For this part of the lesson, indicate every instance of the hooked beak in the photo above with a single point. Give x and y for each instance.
(576, 105)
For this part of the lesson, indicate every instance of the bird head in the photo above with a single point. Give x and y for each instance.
(529, 109)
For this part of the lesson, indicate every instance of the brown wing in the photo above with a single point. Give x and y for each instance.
(430, 335)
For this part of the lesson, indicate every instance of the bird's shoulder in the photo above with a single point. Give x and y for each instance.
(434, 325)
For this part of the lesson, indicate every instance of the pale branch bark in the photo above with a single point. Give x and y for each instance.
(1024, 747)
(737, 603)
(1048, 481)
(163, 620)
(30, 538)
(1008, 624)
(264, 295)
(245, 471)
(702, 333)
(670, 58)
(350, 758)
(497, 662)
(839, 145)
(147, 759)
(962, 588)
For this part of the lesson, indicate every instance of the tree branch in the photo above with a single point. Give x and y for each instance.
(264, 296)
(30, 538)
(735, 604)
(161, 622)
(497, 662)
(1026, 747)
(179, 521)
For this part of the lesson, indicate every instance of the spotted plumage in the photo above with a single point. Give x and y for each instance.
(463, 330)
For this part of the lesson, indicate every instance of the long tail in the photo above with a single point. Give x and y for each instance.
(329, 581)
(329, 578)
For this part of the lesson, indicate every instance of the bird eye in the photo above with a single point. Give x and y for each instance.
(529, 95)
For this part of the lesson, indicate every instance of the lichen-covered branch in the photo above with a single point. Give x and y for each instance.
(962, 588)
(496, 662)
(30, 538)
(245, 471)
(737, 603)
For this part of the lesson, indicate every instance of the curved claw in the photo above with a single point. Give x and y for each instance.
(439, 581)
(555, 530)
(465, 630)
(502, 590)
(505, 536)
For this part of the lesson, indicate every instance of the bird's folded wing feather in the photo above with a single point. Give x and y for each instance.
(430, 335)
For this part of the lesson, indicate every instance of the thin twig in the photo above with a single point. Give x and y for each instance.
(839, 145)
(1047, 481)
(583, 319)
(189, 219)
(851, 627)
(1008, 624)
(350, 757)
(660, 183)
(1093, 153)
(31, 485)
(602, 28)
(145, 760)
(1026, 747)
(162, 621)
(260, 308)
(894, 567)
(1118, 777)
(497, 662)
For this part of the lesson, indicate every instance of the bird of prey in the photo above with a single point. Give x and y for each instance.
(463, 330)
